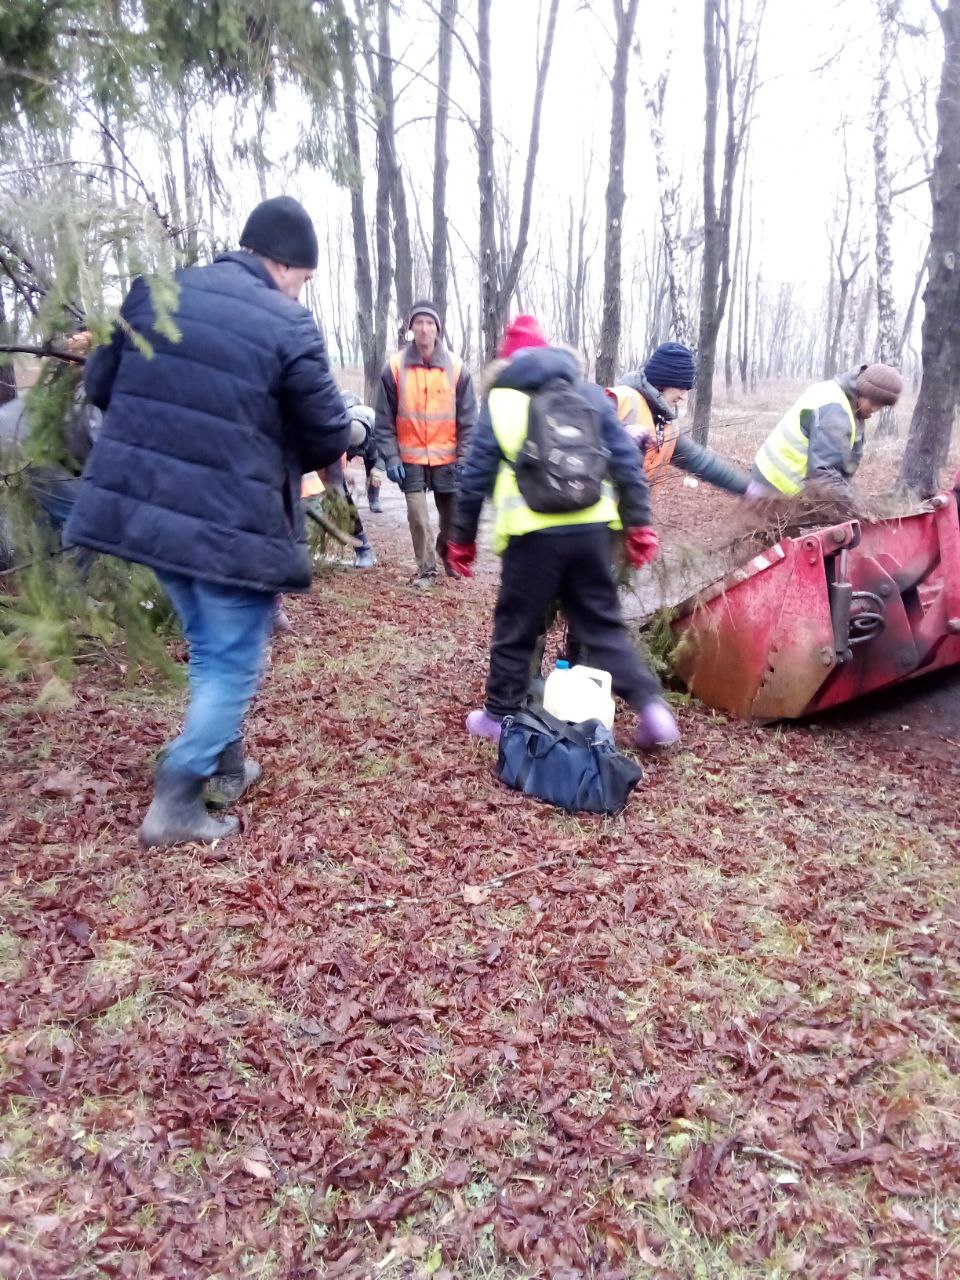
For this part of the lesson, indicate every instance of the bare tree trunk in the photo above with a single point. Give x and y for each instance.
(363, 276)
(910, 313)
(499, 276)
(259, 155)
(889, 12)
(733, 309)
(403, 273)
(845, 276)
(335, 285)
(930, 428)
(189, 235)
(735, 54)
(669, 188)
(743, 328)
(711, 225)
(489, 318)
(8, 374)
(438, 266)
(608, 352)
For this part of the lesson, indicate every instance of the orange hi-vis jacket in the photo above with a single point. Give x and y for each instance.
(426, 411)
(634, 412)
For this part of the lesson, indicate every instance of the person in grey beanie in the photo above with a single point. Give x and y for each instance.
(196, 472)
(425, 412)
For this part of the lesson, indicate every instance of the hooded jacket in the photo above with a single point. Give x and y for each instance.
(197, 467)
(528, 371)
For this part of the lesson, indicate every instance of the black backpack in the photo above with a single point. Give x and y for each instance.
(563, 463)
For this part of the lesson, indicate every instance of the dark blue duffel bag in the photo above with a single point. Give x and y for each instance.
(574, 766)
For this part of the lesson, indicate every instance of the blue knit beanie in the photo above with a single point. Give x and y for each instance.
(671, 365)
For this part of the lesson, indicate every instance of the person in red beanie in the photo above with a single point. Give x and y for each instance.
(523, 332)
(555, 554)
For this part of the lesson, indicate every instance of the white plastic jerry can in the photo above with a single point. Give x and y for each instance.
(579, 693)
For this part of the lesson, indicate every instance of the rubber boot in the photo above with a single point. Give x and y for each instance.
(177, 814)
(373, 498)
(364, 559)
(482, 725)
(232, 777)
(656, 726)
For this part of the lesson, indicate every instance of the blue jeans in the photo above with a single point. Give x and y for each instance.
(227, 630)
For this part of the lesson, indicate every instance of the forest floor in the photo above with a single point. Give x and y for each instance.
(410, 1024)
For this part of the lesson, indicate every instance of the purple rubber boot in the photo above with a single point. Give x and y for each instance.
(480, 725)
(656, 726)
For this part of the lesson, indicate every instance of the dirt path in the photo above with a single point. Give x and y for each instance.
(411, 1025)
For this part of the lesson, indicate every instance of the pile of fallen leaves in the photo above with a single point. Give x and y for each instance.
(411, 1024)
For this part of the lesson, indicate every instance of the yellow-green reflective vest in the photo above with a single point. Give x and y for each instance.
(512, 517)
(782, 459)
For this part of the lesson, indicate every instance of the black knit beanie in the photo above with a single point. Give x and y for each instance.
(281, 229)
(671, 365)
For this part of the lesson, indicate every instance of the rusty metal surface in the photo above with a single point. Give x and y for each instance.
(760, 643)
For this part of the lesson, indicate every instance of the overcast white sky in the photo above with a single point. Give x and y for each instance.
(817, 70)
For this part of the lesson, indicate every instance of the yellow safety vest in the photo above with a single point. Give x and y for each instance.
(782, 459)
(512, 517)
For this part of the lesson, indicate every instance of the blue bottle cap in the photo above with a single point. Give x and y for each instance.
(563, 664)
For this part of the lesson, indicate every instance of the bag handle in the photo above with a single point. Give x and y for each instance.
(533, 716)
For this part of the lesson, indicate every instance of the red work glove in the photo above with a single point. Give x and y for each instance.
(646, 441)
(460, 556)
(642, 546)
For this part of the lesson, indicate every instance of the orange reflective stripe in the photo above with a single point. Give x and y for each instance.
(426, 412)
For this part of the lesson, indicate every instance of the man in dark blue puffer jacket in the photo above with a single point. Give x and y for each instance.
(196, 473)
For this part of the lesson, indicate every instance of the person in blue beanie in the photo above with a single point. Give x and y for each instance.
(648, 404)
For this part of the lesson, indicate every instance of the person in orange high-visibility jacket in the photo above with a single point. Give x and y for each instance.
(648, 403)
(425, 412)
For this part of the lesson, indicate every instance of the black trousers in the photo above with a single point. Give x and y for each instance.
(573, 567)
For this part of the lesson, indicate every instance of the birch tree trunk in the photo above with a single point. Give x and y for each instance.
(608, 352)
(669, 190)
(930, 428)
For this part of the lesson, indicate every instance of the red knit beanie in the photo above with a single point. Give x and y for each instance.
(525, 331)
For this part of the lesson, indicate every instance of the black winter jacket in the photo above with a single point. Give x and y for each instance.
(527, 371)
(198, 465)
